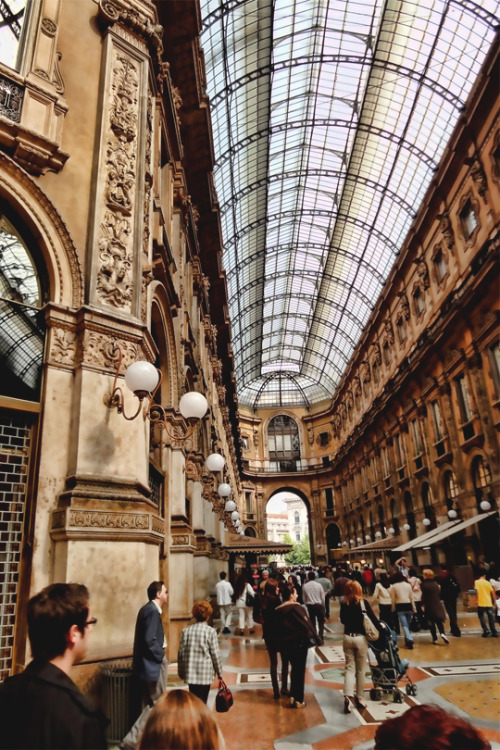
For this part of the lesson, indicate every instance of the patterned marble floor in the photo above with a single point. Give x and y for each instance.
(463, 677)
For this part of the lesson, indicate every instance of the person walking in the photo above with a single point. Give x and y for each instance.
(42, 707)
(486, 604)
(313, 596)
(416, 586)
(242, 590)
(224, 592)
(149, 663)
(432, 605)
(355, 644)
(198, 660)
(270, 632)
(382, 595)
(403, 604)
(450, 590)
(297, 635)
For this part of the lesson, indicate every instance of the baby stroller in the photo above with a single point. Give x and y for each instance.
(389, 668)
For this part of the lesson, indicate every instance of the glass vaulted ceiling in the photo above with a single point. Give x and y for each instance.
(329, 119)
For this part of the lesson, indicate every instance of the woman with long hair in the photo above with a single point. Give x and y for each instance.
(270, 632)
(297, 634)
(355, 644)
(241, 588)
(181, 721)
(433, 606)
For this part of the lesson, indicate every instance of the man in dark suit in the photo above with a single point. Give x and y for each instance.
(42, 707)
(149, 663)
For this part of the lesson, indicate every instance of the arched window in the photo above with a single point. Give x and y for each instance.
(11, 31)
(297, 517)
(22, 326)
(427, 502)
(450, 488)
(481, 476)
(395, 516)
(283, 441)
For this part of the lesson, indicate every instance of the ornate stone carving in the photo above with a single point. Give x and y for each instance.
(389, 331)
(11, 99)
(477, 173)
(405, 305)
(99, 349)
(423, 272)
(48, 26)
(89, 518)
(114, 277)
(377, 355)
(63, 347)
(447, 229)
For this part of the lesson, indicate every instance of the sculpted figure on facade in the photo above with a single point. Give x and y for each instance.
(405, 305)
(478, 174)
(447, 229)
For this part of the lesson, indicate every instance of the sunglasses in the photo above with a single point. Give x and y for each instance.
(92, 621)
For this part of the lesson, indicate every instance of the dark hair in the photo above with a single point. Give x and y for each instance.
(397, 577)
(384, 580)
(181, 721)
(430, 727)
(270, 587)
(51, 613)
(311, 575)
(240, 584)
(222, 574)
(287, 592)
(154, 589)
(202, 611)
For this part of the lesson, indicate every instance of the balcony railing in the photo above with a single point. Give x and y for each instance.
(284, 466)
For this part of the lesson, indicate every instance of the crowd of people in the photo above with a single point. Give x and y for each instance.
(291, 605)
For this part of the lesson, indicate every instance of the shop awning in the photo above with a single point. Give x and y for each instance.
(242, 544)
(380, 546)
(442, 532)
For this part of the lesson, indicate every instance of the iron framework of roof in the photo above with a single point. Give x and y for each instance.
(329, 119)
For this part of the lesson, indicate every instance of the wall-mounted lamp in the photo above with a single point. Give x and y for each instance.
(359, 540)
(406, 526)
(144, 379)
(215, 462)
(392, 531)
(368, 538)
(230, 506)
(485, 505)
(224, 489)
(426, 522)
(351, 542)
(452, 514)
(378, 534)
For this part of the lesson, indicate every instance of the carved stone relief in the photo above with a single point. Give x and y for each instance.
(423, 272)
(115, 243)
(63, 347)
(101, 350)
(447, 229)
(405, 305)
(478, 174)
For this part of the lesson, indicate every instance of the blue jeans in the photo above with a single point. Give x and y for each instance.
(488, 611)
(404, 619)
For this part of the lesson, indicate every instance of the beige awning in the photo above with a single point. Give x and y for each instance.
(241, 543)
(442, 532)
(381, 545)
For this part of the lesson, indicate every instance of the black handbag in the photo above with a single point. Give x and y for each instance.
(249, 599)
(224, 698)
(415, 625)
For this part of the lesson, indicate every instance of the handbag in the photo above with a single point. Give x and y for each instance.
(249, 599)
(371, 631)
(415, 625)
(224, 698)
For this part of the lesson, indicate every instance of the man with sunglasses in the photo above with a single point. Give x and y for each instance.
(42, 707)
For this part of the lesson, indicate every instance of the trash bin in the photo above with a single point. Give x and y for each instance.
(117, 680)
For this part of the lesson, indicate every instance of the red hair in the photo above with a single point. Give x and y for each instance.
(430, 727)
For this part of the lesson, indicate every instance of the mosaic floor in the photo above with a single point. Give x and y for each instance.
(463, 677)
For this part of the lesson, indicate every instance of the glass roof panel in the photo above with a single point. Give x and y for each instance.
(329, 119)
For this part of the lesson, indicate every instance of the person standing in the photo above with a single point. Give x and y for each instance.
(403, 604)
(271, 634)
(241, 589)
(402, 566)
(432, 605)
(313, 597)
(224, 592)
(327, 588)
(486, 604)
(355, 644)
(42, 707)
(297, 635)
(450, 590)
(383, 596)
(149, 663)
(198, 660)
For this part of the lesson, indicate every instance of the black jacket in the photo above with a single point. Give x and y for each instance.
(42, 708)
(295, 628)
(148, 643)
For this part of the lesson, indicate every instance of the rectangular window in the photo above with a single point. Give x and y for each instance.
(440, 269)
(468, 219)
(418, 302)
(463, 397)
(437, 420)
(495, 367)
(329, 501)
(401, 330)
(13, 15)
(399, 450)
(385, 461)
(248, 502)
(415, 428)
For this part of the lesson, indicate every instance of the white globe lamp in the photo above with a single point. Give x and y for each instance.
(193, 405)
(392, 531)
(230, 506)
(215, 462)
(235, 515)
(406, 526)
(224, 489)
(485, 505)
(452, 514)
(142, 378)
(426, 522)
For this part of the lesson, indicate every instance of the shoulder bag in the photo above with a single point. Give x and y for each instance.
(249, 599)
(371, 631)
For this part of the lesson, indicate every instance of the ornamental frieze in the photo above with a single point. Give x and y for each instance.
(89, 518)
(103, 351)
(62, 347)
(75, 523)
